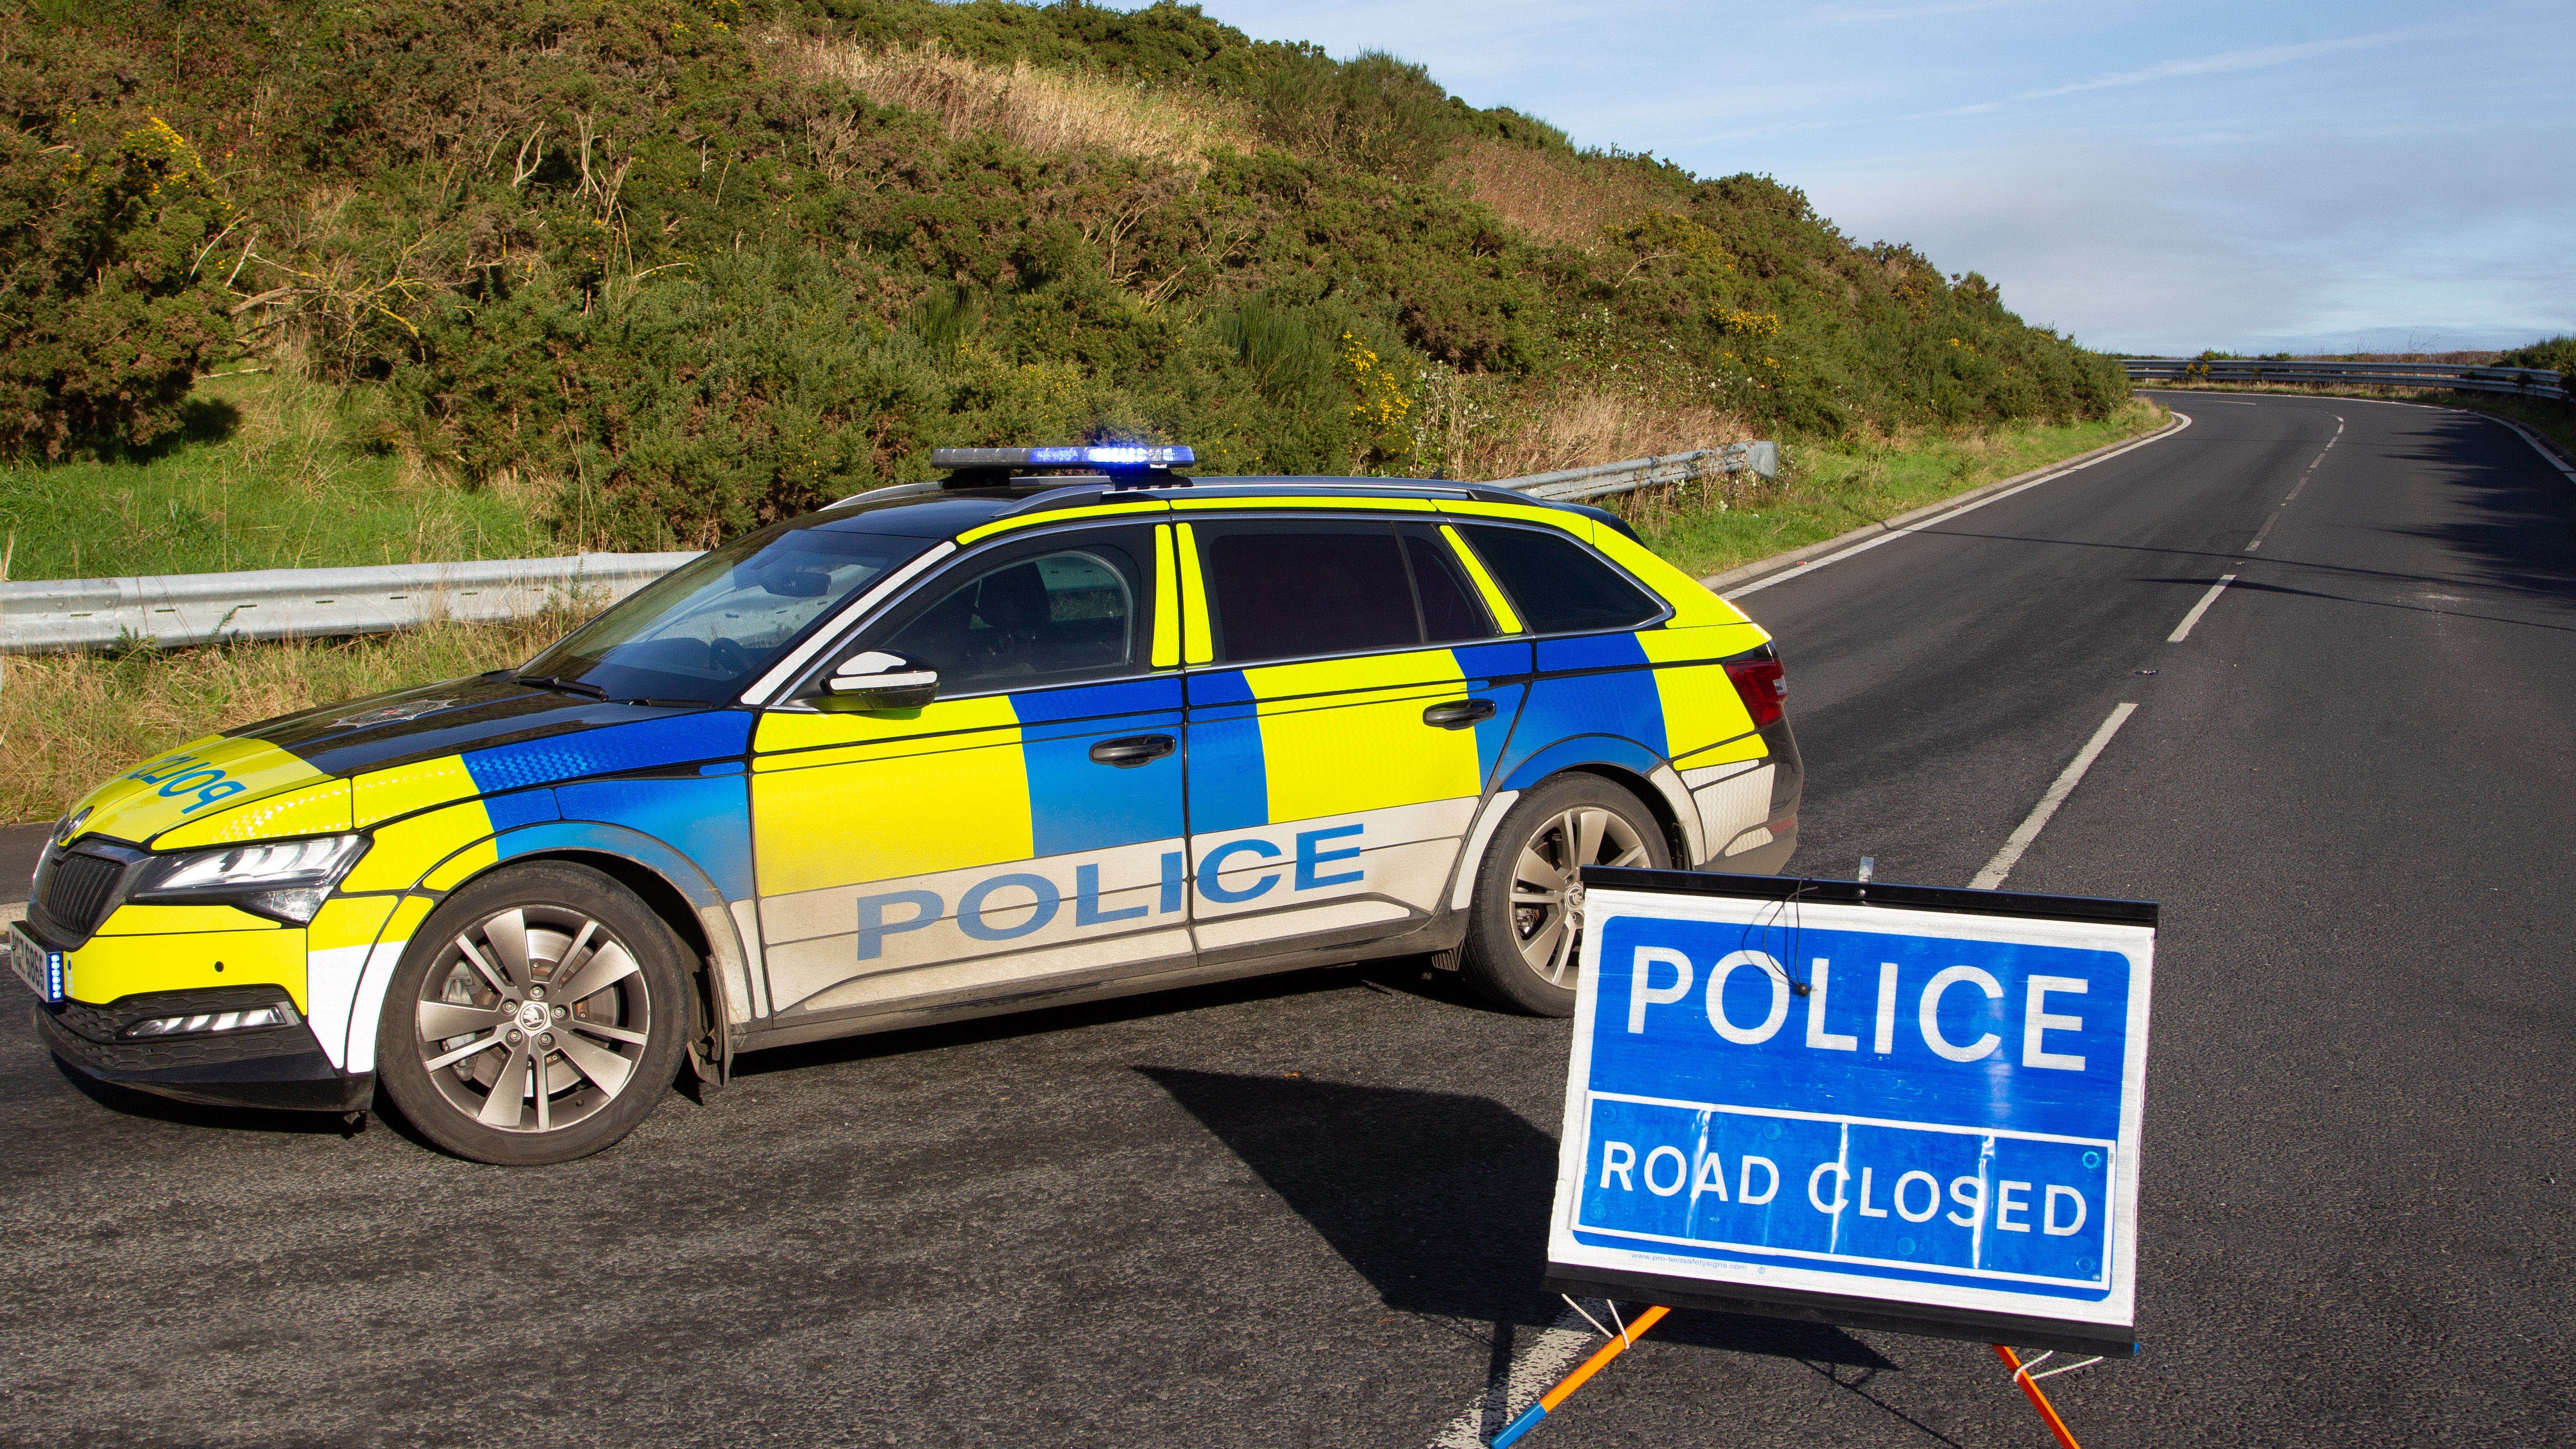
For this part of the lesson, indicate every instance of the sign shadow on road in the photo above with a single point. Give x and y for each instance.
(1440, 1201)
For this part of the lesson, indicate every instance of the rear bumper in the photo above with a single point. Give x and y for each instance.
(278, 1067)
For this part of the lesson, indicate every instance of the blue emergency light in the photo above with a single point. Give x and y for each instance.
(1105, 456)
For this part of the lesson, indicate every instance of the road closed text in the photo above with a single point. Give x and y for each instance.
(1808, 1186)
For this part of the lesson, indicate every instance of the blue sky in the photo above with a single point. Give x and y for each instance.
(2155, 178)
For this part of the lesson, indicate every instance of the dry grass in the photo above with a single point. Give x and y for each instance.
(68, 722)
(1042, 110)
(1553, 196)
(1472, 427)
(1469, 427)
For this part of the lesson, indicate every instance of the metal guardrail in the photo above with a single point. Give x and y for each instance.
(177, 609)
(174, 610)
(1576, 484)
(2519, 381)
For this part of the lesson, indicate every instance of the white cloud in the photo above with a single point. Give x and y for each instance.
(2230, 61)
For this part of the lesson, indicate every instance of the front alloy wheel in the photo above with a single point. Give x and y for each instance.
(537, 1017)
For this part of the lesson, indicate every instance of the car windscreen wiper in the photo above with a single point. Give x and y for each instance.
(568, 686)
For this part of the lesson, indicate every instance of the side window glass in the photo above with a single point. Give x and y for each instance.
(1282, 593)
(1557, 585)
(1449, 608)
(1045, 620)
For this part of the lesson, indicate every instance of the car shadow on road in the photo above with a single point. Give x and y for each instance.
(1439, 1199)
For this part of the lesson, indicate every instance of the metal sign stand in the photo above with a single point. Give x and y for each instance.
(2029, 1382)
(1628, 1334)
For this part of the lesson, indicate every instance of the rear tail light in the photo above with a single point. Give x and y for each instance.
(1763, 686)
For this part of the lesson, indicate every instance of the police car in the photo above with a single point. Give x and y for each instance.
(1060, 726)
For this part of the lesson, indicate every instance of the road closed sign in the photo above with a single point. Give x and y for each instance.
(1880, 1106)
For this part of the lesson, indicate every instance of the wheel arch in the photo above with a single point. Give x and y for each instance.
(1678, 834)
(671, 886)
(1634, 768)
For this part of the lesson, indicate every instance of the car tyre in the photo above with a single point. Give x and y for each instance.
(1522, 950)
(483, 1049)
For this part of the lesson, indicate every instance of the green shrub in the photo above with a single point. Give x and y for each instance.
(680, 411)
(2558, 352)
(630, 250)
(103, 224)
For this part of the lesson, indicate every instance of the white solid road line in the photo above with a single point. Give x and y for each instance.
(1811, 565)
(1557, 1349)
(2006, 858)
(2200, 608)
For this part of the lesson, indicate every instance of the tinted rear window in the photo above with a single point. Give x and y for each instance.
(1282, 595)
(1557, 585)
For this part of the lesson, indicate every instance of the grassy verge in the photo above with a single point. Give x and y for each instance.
(1829, 489)
(68, 722)
(2552, 420)
(267, 477)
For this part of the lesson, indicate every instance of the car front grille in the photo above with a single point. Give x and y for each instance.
(75, 889)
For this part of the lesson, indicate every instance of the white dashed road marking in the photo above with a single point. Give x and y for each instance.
(2207, 599)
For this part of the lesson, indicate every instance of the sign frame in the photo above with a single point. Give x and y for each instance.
(1701, 1280)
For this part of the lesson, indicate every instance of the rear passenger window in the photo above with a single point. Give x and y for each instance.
(1281, 594)
(1558, 586)
(1297, 590)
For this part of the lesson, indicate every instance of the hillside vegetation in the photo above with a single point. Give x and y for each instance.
(677, 267)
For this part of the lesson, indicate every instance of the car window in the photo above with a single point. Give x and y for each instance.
(1557, 585)
(1053, 618)
(1449, 608)
(1285, 592)
(702, 630)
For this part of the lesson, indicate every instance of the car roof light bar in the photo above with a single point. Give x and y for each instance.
(1093, 455)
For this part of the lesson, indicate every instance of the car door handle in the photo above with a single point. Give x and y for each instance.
(1457, 714)
(1130, 751)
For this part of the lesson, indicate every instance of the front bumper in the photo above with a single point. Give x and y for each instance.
(277, 1066)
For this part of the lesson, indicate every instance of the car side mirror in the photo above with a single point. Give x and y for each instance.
(878, 679)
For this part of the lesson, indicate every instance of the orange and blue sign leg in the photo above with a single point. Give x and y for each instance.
(1575, 1380)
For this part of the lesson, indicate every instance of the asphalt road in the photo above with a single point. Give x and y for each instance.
(1311, 1211)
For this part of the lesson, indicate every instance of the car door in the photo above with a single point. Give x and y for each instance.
(1349, 697)
(1022, 830)
(1622, 675)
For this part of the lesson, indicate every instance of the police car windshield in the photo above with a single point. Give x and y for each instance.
(706, 629)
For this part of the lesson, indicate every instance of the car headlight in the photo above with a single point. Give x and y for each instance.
(286, 880)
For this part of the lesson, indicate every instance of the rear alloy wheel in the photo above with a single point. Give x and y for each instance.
(1524, 940)
(537, 1017)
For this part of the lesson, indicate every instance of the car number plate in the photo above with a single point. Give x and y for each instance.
(40, 968)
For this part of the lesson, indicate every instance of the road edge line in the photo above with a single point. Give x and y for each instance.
(2028, 831)
(1762, 573)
